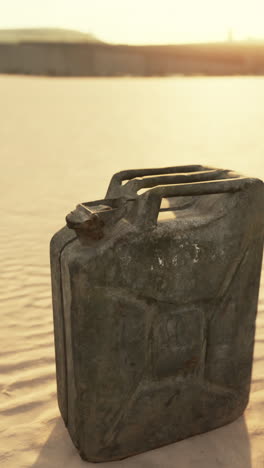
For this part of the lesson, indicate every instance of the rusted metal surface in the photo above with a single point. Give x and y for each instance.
(157, 315)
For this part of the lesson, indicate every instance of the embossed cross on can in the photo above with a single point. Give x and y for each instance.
(155, 298)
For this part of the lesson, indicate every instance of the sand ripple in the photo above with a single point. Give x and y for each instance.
(54, 145)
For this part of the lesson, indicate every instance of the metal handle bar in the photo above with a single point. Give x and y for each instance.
(131, 188)
(115, 186)
(148, 204)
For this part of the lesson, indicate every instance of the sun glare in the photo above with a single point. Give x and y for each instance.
(141, 21)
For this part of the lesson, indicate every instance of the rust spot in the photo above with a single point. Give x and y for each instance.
(191, 363)
(91, 229)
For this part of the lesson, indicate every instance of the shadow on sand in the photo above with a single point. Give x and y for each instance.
(226, 447)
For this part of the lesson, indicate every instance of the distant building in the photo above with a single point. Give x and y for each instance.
(100, 59)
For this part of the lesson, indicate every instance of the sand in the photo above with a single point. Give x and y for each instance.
(60, 142)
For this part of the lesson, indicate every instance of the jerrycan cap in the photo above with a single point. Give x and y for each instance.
(88, 219)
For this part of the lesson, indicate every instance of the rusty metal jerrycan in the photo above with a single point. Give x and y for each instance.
(155, 298)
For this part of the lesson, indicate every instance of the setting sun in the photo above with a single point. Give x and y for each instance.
(141, 21)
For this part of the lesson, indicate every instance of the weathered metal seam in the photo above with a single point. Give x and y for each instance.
(64, 330)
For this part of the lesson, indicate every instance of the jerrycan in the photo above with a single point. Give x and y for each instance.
(155, 292)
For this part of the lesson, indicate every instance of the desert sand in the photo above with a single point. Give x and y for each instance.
(61, 140)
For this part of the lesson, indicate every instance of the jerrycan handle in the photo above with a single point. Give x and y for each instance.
(115, 188)
(130, 189)
(148, 204)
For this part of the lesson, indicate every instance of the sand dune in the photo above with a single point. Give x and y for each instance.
(54, 141)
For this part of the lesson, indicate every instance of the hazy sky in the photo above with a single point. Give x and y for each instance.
(141, 21)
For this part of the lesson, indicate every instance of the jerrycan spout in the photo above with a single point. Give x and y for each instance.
(92, 221)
